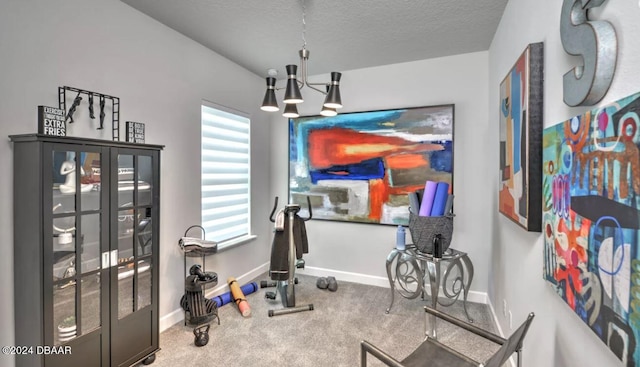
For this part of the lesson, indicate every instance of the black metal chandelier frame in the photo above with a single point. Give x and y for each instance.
(292, 95)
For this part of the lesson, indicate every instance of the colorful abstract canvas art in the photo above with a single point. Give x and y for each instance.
(520, 134)
(359, 167)
(591, 188)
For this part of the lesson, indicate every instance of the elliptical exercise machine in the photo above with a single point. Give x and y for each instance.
(289, 243)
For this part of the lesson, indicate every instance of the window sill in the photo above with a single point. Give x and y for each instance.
(226, 245)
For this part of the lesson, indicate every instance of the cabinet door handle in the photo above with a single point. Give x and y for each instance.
(114, 258)
(105, 260)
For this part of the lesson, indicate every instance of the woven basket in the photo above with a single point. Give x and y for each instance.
(424, 230)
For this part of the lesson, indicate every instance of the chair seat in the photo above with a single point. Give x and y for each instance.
(434, 354)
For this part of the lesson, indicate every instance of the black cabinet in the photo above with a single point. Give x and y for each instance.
(85, 251)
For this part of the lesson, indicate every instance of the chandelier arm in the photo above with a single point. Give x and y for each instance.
(325, 84)
(311, 85)
(304, 57)
(300, 84)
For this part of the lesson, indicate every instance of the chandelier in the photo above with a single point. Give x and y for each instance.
(292, 94)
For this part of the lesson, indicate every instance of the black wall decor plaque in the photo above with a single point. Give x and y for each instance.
(51, 121)
(135, 132)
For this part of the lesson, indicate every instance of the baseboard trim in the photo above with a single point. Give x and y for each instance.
(473, 296)
(499, 328)
(177, 315)
(495, 318)
(346, 276)
(171, 319)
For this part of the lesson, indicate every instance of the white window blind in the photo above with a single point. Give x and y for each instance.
(225, 175)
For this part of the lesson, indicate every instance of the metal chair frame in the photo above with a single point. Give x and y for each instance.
(426, 354)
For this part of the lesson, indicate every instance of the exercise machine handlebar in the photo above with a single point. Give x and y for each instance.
(291, 207)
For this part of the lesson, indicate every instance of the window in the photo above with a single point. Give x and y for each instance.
(225, 176)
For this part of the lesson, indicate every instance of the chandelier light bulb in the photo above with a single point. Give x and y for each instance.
(328, 111)
(290, 111)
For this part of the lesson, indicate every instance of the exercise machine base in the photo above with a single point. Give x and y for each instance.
(289, 310)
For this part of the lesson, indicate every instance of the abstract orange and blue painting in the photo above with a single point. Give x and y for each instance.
(591, 191)
(520, 132)
(359, 167)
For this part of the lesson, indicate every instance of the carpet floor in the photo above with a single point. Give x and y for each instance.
(329, 335)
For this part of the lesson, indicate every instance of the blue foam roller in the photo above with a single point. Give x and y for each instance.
(225, 298)
(222, 299)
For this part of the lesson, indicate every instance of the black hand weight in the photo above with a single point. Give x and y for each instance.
(201, 335)
(202, 276)
(196, 270)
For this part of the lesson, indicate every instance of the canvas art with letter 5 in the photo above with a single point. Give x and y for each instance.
(359, 167)
(519, 197)
(591, 218)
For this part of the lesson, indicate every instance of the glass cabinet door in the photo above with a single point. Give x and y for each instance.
(135, 233)
(77, 243)
(144, 235)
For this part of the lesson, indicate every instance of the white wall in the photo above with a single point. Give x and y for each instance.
(356, 251)
(557, 337)
(160, 77)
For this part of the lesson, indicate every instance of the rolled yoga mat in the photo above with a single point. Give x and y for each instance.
(225, 298)
(440, 199)
(427, 199)
(238, 297)
(449, 206)
(414, 202)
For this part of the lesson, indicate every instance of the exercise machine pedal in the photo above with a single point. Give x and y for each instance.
(269, 284)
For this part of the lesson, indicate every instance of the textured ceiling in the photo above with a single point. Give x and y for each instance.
(340, 34)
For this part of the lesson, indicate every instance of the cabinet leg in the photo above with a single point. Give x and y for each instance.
(150, 359)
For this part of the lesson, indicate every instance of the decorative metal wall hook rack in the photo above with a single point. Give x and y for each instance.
(115, 107)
